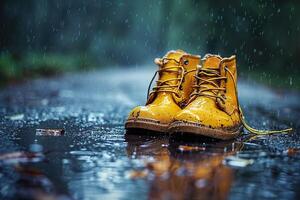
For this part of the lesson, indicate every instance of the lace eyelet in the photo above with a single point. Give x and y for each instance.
(186, 62)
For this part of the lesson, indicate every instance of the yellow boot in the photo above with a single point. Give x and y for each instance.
(213, 108)
(174, 86)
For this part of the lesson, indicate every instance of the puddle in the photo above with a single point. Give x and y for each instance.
(96, 159)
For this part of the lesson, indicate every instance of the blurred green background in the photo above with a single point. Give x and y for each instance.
(48, 37)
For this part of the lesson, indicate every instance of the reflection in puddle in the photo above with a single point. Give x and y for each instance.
(32, 184)
(17, 169)
(18, 157)
(238, 162)
(183, 168)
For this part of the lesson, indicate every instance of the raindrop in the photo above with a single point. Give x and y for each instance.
(36, 148)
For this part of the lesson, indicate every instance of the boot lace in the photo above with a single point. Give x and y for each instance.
(214, 75)
(208, 84)
(166, 85)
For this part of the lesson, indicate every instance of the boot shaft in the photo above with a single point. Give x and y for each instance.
(176, 68)
(216, 80)
(229, 70)
(190, 63)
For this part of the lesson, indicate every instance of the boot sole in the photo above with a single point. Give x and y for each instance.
(146, 124)
(198, 129)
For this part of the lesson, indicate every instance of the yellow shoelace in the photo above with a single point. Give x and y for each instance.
(214, 74)
(165, 86)
(201, 88)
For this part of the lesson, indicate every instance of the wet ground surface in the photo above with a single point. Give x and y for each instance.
(94, 158)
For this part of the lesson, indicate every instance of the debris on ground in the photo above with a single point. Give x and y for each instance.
(20, 157)
(16, 117)
(235, 161)
(33, 184)
(50, 132)
(190, 148)
(292, 151)
(138, 174)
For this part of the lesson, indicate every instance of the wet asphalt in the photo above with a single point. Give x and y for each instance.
(96, 159)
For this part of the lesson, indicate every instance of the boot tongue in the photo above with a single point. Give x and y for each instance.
(171, 59)
(176, 55)
(212, 62)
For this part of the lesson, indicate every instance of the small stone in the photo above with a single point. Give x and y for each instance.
(16, 117)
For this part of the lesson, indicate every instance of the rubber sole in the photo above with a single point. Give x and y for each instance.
(198, 129)
(147, 124)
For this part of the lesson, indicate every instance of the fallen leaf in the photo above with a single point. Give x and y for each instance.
(292, 151)
(49, 132)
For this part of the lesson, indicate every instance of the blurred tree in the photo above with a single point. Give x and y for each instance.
(265, 35)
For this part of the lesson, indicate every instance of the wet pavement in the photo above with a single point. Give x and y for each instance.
(89, 155)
